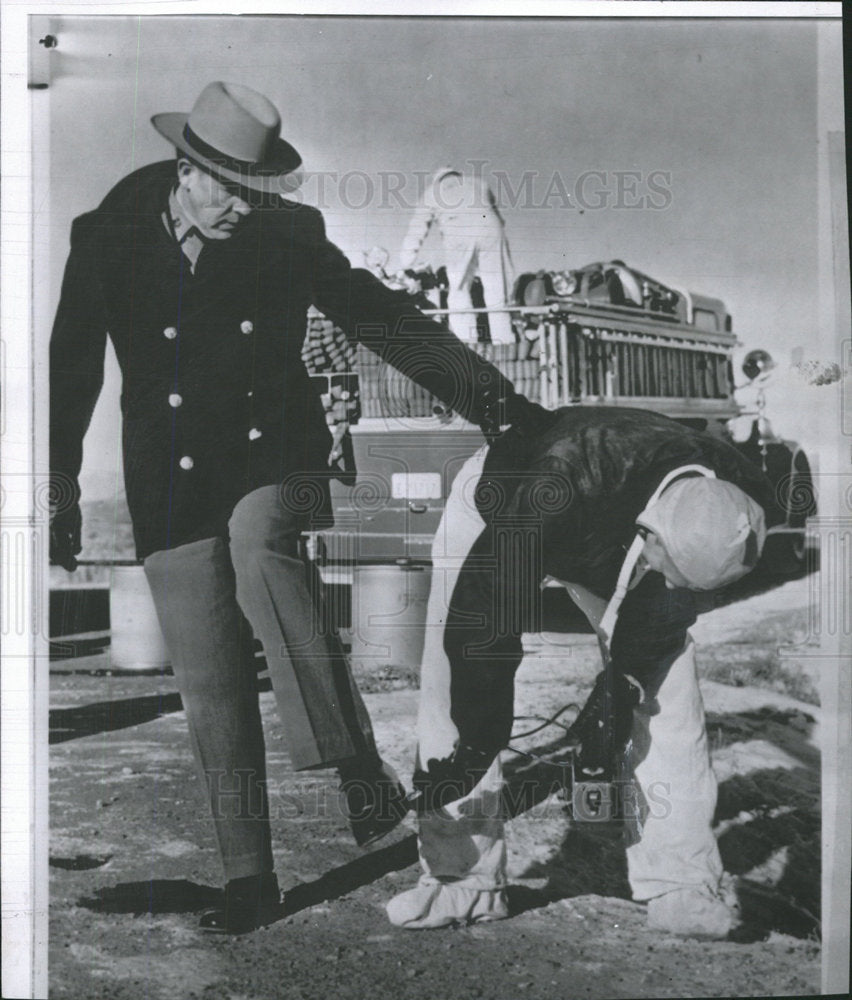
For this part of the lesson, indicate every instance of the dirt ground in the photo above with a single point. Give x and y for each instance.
(132, 857)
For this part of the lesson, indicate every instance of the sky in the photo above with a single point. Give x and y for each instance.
(687, 148)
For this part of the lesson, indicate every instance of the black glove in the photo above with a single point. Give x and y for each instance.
(65, 542)
(526, 416)
(450, 779)
(513, 409)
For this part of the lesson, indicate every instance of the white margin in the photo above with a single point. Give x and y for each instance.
(24, 719)
(23, 686)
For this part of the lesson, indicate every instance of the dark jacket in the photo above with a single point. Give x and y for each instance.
(585, 473)
(216, 401)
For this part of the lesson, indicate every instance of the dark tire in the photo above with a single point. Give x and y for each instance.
(787, 553)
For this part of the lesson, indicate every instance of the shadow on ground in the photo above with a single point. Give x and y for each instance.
(160, 896)
(153, 896)
(775, 814)
(108, 716)
(80, 862)
(772, 821)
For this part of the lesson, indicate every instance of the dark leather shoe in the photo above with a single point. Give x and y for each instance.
(376, 801)
(248, 904)
(452, 778)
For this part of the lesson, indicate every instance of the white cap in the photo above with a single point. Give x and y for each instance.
(712, 531)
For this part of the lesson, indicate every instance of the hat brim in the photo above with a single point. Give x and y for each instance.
(280, 173)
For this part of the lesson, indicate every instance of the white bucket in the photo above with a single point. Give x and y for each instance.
(389, 614)
(136, 640)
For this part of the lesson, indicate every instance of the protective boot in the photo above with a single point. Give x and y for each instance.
(693, 911)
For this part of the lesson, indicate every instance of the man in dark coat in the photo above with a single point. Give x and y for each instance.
(201, 272)
(632, 513)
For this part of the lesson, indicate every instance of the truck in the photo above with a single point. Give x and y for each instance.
(602, 334)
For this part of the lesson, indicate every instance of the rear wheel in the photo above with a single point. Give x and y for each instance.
(787, 553)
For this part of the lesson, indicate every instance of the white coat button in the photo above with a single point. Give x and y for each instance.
(250, 392)
(170, 333)
(247, 326)
(186, 463)
(254, 434)
(175, 400)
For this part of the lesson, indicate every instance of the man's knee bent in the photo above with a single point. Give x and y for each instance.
(260, 523)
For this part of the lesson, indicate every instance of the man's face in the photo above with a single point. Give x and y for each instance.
(656, 558)
(214, 207)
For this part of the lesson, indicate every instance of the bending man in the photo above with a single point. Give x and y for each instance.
(631, 512)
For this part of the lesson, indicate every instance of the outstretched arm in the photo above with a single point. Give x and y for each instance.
(387, 323)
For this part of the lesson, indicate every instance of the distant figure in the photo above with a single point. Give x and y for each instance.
(474, 244)
(376, 260)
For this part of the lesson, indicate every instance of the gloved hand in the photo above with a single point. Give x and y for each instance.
(515, 410)
(65, 544)
(525, 415)
(451, 778)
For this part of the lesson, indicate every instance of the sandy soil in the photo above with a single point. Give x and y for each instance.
(132, 858)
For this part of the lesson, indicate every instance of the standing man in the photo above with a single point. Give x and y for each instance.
(474, 243)
(375, 261)
(632, 512)
(202, 273)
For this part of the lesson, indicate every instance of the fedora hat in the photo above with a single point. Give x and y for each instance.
(233, 132)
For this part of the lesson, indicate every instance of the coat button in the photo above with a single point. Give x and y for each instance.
(186, 463)
(250, 392)
(170, 332)
(254, 434)
(175, 400)
(247, 326)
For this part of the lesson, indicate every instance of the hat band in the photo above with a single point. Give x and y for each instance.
(222, 160)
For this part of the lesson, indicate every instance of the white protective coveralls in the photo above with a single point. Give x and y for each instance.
(474, 243)
(462, 847)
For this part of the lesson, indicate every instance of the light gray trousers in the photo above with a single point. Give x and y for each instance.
(211, 595)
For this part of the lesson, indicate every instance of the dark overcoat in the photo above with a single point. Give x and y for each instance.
(216, 401)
